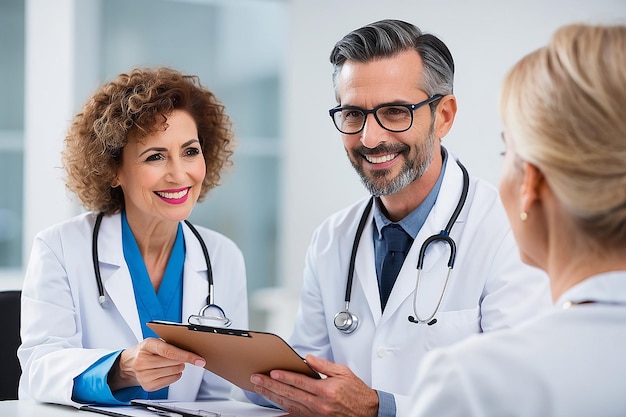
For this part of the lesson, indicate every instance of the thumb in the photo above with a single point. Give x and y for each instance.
(325, 367)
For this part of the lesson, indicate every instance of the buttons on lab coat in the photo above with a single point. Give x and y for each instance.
(381, 351)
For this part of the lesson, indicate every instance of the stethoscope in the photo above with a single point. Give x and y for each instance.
(209, 313)
(346, 321)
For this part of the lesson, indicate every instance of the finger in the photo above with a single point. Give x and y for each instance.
(158, 381)
(147, 359)
(268, 384)
(143, 364)
(326, 367)
(150, 374)
(279, 384)
(292, 385)
(285, 396)
(173, 353)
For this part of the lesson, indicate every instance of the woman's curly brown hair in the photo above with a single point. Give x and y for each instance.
(137, 104)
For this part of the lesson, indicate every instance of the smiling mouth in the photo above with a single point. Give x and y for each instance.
(380, 159)
(173, 195)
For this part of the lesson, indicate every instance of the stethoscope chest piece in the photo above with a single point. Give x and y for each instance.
(210, 315)
(346, 322)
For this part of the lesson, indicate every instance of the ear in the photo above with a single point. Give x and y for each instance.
(446, 111)
(532, 184)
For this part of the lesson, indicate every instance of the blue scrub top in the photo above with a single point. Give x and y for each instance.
(165, 304)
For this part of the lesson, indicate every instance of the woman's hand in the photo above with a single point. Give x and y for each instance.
(153, 364)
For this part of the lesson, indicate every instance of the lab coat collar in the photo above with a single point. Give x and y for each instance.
(116, 276)
(195, 278)
(116, 281)
(195, 291)
(364, 266)
(606, 288)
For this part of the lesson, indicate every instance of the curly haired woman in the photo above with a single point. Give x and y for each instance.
(143, 150)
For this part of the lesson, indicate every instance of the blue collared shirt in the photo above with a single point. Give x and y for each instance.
(411, 224)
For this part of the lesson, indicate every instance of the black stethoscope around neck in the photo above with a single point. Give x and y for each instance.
(346, 321)
(210, 313)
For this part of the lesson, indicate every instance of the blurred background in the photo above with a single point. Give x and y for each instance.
(267, 60)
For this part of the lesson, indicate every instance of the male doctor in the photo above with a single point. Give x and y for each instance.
(394, 90)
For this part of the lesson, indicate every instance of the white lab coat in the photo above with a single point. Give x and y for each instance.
(489, 288)
(64, 328)
(566, 363)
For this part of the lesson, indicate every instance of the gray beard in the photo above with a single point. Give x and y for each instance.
(409, 173)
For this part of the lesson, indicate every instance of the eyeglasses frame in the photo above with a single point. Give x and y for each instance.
(411, 107)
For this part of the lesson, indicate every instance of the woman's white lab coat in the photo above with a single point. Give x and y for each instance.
(64, 328)
(489, 288)
(568, 362)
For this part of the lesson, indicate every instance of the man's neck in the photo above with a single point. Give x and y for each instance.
(397, 206)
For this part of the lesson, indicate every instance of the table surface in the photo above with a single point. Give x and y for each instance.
(15, 408)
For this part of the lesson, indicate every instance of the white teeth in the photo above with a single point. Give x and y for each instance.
(380, 159)
(177, 195)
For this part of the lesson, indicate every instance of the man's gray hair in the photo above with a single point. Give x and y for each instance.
(387, 38)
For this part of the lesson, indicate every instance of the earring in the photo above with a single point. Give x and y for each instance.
(523, 216)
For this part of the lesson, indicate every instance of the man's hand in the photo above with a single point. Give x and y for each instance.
(152, 364)
(341, 393)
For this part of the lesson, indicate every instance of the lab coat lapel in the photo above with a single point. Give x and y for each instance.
(195, 278)
(115, 274)
(437, 254)
(195, 291)
(119, 289)
(365, 270)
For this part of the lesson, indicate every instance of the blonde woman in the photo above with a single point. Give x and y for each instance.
(563, 185)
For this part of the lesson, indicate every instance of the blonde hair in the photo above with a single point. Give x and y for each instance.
(135, 104)
(564, 107)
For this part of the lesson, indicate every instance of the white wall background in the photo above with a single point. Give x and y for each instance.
(485, 38)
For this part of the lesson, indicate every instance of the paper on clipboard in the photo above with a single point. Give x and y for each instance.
(219, 408)
(118, 410)
(234, 354)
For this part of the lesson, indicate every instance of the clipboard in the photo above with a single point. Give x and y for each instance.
(234, 354)
(210, 408)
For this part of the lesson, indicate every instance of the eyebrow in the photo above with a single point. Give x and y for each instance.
(393, 103)
(157, 149)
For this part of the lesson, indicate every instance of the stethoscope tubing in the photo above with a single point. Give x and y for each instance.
(207, 259)
(104, 303)
(345, 321)
(96, 267)
(355, 247)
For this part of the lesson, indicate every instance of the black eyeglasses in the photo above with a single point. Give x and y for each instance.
(392, 117)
